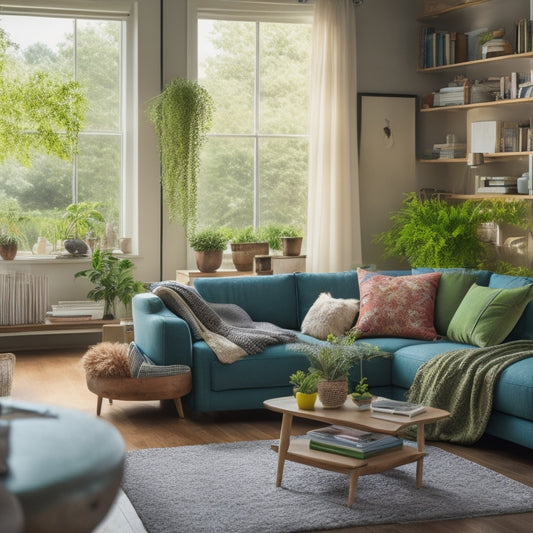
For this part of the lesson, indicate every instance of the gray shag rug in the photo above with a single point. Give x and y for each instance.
(231, 488)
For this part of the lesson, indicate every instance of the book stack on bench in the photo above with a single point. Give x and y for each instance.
(356, 443)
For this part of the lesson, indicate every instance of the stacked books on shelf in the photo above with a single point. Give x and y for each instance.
(351, 442)
(74, 310)
(523, 36)
(441, 47)
(497, 185)
(385, 409)
(449, 150)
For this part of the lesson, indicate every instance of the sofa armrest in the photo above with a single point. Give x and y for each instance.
(159, 333)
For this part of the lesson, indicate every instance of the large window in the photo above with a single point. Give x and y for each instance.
(254, 164)
(90, 51)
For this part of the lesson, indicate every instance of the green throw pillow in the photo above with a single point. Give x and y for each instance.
(453, 287)
(486, 316)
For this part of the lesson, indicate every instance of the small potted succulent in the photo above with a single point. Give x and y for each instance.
(209, 246)
(305, 388)
(361, 395)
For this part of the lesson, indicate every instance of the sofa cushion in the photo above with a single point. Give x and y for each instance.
(397, 306)
(407, 359)
(330, 315)
(270, 368)
(524, 327)
(487, 315)
(513, 394)
(453, 286)
(310, 285)
(265, 298)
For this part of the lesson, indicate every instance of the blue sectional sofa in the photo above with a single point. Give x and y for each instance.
(284, 300)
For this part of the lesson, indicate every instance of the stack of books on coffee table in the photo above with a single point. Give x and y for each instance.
(351, 442)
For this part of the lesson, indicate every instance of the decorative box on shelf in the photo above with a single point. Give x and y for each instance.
(287, 264)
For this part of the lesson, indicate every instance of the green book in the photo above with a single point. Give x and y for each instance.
(351, 452)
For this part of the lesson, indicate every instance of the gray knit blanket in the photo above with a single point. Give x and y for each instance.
(226, 328)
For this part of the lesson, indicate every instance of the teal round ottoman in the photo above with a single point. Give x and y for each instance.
(65, 469)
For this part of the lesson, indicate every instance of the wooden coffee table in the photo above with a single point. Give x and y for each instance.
(298, 450)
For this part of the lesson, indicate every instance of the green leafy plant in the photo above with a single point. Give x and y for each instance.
(182, 116)
(333, 361)
(361, 391)
(80, 219)
(274, 232)
(11, 218)
(210, 239)
(113, 279)
(438, 234)
(37, 112)
(247, 234)
(305, 383)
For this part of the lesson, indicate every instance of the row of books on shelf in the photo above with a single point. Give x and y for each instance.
(497, 185)
(438, 47)
(75, 310)
(507, 87)
(493, 136)
(362, 444)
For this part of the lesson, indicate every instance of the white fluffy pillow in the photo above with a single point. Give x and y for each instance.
(330, 315)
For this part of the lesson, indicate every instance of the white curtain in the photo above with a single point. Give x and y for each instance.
(333, 227)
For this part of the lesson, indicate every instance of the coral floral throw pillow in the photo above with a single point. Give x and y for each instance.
(400, 306)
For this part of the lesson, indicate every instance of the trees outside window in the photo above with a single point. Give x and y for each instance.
(254, 164)
(88, 52)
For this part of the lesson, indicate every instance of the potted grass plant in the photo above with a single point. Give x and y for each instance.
(245, 245)
(305, 388)
(209, 245)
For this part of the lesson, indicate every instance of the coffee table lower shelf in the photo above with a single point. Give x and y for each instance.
(299, 452)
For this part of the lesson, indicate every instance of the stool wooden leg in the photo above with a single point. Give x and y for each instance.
(179, 407)
(98, 405)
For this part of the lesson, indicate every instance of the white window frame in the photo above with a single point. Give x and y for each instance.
(282, 11)
(125, 11)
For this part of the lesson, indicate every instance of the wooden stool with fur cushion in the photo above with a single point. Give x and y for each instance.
(117, 371)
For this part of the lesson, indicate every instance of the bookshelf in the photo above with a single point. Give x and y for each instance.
(436, 122)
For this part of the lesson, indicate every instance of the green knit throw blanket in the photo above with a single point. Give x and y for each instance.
(462, 382)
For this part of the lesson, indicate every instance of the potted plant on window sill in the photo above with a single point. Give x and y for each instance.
(209, 246)
(245, 245)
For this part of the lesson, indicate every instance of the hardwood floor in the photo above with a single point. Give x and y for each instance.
(56, 377)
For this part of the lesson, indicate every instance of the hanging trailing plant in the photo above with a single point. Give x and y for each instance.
(182, 116)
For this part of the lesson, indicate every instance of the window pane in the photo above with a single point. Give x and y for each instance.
(226, 52)
(226, 186)
(99, 72)
(99, 174)
(283, 181)
(284, 78)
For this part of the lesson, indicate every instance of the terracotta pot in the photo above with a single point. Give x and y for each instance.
(243, 254)
(306, 401)
(8, 251)
(291, 245)
(332, 394)
(209, 260)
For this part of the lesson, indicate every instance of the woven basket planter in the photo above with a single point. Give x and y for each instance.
(7, 366)
(332, 394)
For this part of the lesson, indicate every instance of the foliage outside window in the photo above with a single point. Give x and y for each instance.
(254, 165)
(81, 54)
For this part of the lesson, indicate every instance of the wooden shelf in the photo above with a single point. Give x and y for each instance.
(450, 9)
(441, 161)
(57, 326)
(488, 157)
(509, 57)
(514, 101)
(491, 197)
